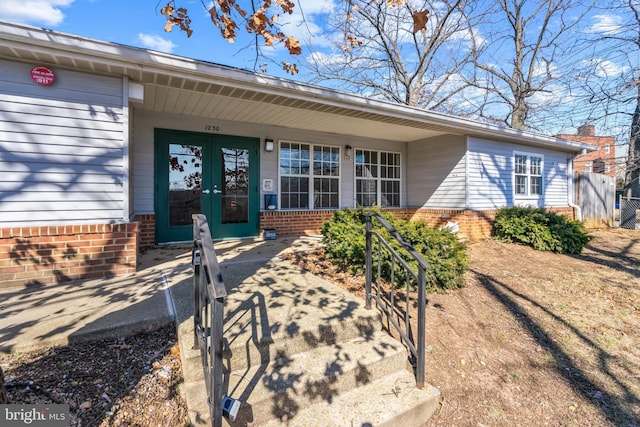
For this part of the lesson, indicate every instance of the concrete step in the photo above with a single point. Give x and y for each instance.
(301, 351)
(246, 350)
(387, 402)
(296, 313)
(291, 382)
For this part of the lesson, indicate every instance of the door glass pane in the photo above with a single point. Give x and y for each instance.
(235, 185)
(185, 183)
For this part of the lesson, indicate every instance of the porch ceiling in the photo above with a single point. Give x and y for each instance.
(222, 103)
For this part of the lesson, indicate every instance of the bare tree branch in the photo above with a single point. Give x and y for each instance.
(535, 41)
(387, 59)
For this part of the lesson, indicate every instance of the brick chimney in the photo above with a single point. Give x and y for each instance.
(587, 130)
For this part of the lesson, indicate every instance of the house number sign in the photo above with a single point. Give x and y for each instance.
(42, 75)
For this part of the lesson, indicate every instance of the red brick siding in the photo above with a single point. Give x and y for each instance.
(287, 223)
(146, 230)
(474, 225)
(55, 254)
(598, 158)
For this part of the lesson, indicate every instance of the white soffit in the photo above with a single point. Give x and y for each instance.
(220, 107)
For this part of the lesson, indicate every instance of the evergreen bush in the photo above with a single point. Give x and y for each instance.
(345, 246)
(541, 229)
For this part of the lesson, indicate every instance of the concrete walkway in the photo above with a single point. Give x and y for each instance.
(158, 294)
(241, 261)
(273, 308)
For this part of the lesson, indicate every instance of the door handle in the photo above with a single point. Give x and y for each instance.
(215, 191)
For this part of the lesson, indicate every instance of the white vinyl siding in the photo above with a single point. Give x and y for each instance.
(436, 173)
(491, 175)
(61, 148)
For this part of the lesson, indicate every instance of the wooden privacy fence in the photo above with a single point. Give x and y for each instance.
(596, 194)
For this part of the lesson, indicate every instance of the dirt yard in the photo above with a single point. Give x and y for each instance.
(535, 338)
(132, 381)
(541, 339)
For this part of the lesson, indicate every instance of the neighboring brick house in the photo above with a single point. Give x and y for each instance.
(601, 161)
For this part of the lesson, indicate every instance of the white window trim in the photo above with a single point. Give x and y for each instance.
(311, 176)
(588, 167)
(378, 178)
(518, 198)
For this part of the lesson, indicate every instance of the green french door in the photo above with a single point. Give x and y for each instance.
(216, 175)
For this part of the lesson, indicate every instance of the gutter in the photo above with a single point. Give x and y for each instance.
(572, 185)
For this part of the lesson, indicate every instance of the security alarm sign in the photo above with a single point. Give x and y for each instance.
(42, 75)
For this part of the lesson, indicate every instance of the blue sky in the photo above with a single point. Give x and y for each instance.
(139, 23)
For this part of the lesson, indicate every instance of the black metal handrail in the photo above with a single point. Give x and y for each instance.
(209, 297)
(415, 344)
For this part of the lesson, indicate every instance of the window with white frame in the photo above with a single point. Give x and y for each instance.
(607, 149)
(607, 168)
(309, 176)
(528, 174)
(377, 178)
(587, 167)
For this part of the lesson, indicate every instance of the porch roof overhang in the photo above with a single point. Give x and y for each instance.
(181, 85)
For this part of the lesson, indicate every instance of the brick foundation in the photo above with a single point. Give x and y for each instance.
(474, 225)
(146, 230)
(53, 254)
(288, 223)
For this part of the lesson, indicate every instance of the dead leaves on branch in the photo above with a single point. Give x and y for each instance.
(177, 17)
(420, 19)
(227, 15)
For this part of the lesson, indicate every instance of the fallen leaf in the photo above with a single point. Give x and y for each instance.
(175, 350)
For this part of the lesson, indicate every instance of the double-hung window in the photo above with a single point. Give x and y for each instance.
(528, 175)
(377, 178)
(309, 176)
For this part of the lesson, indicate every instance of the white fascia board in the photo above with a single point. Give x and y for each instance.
(46, 41)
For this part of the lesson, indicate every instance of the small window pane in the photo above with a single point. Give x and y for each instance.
(521, 184)
(294, 192)
(366, 163)
(390, 193)
(325, 193)
(536, 185)
(536, 165)
(521, 164)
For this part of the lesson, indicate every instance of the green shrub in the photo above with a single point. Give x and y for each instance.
(540, 229)
(345, 245)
